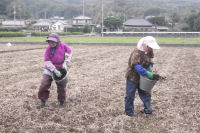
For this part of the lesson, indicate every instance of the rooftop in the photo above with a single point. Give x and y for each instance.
(137, 22)
(82, 17)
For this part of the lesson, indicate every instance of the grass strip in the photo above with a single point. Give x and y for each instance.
(163, 40)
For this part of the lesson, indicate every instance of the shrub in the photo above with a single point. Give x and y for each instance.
(64, 33)
(74, 29)
(59, 33)
(86, 29)
(40, 33)
(98, 30)
(12, 34)
(9, 30)
(77, 33)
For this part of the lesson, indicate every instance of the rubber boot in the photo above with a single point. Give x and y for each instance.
(42, 105)
(61, 105)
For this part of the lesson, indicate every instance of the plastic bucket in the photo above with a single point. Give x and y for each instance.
(63, 79)
(146, 84)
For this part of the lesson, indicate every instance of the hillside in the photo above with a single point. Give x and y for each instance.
(120, 8)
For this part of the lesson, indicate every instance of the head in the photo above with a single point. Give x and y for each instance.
(147, 44)
(148, 49)
(53, 39)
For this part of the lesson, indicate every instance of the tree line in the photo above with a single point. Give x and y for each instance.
(167, 13)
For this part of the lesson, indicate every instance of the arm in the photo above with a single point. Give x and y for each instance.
(68, 58)
(68, 55)
(49, 64)
(142, 71)
(52, 68)
(150, 67)
(135, 61)
(47, 60)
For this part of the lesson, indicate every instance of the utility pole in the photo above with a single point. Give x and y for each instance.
(20, 14)
(83, 8)
(102, 18)
(14, 12)
(45, 14)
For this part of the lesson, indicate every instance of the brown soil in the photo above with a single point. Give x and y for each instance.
(96, 90)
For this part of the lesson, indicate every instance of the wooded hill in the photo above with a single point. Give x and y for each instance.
(123, 9)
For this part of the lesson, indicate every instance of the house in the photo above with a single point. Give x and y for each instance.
(29, 21)
(138, 24)
(13, 24)
(56, 18)
(42, 26)
(81, 21)
(162, 28)
(58, 26)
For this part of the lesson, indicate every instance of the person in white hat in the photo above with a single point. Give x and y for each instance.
(140, 63)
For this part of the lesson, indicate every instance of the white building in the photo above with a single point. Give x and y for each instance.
(81, 21)
(13, 24)
(43, 26)
(58, 26)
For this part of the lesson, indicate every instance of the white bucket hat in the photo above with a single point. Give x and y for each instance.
(147, 41)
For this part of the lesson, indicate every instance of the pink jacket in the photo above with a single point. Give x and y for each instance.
(58, 57)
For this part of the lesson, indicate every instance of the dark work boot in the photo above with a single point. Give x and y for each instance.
(146, 111)
(131, 115)
(42, 104)
(61, 105)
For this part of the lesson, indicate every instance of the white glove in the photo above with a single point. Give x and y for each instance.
(64, 65)
(58, 74)
(68, 58)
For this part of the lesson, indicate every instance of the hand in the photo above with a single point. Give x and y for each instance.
(150, 68)
(64, 65)
(57, 73)
(149, 75)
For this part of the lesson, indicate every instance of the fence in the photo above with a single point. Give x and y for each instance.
(155, 34)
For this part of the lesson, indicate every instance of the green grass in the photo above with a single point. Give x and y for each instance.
(22, 39)
(162, 40)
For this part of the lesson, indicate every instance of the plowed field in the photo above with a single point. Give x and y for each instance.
(96, 91)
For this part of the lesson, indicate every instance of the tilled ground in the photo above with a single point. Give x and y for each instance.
(96, 90)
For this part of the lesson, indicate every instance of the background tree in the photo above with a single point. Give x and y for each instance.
(86, 29)
(157, 21)
(153, 12)
(3, 6)
(174, 19)
(123, 9)
(7, 9)
(197, 23)
(112, 23)
(193, 21)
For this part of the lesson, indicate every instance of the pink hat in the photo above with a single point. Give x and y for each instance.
(53, 37)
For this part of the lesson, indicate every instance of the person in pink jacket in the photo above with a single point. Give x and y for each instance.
(57, 55)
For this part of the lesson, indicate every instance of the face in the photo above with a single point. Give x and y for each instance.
(148, 49)
(52, 43)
